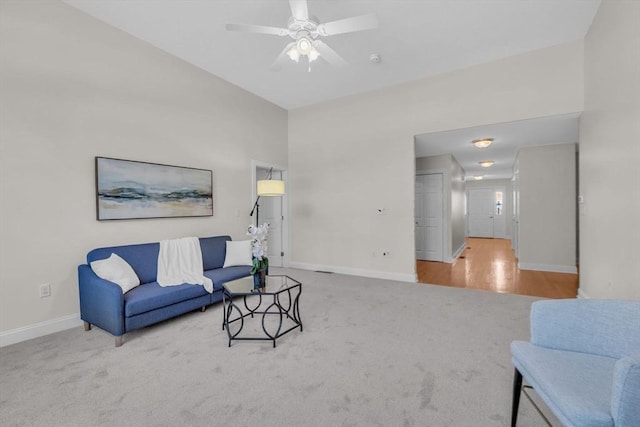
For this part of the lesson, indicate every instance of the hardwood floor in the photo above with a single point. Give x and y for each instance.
(490, 264)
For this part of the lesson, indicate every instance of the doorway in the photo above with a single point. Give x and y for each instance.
(272, 210)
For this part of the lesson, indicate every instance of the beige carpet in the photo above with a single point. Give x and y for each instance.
(372, 353)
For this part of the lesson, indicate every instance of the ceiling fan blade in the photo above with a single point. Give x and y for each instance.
(329, 54)
(299, 9)
(282, 58)
(261, 29)
(349, 25)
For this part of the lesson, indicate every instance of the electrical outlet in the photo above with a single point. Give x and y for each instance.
(386, 254)
(381, 211)
(45, 290)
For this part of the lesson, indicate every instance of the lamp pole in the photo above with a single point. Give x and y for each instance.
(256, 208)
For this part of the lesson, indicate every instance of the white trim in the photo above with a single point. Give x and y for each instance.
(572, 269)
(582, 294)
(400, 277)
(456, 254)
(36, 330)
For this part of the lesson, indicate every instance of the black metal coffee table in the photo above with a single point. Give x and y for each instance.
(280, 295)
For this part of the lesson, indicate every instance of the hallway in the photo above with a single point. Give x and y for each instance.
(489, 264)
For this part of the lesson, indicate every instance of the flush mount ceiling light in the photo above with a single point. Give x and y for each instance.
(478, 177)
(482, 143)
(486, 163)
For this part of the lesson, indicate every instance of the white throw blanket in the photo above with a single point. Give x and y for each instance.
(180, 261)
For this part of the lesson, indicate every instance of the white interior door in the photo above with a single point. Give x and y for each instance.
(431, 221)
(271, 212)
(480, 213)
(420, 235)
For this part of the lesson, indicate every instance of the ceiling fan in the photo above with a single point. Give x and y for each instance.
(306, 32)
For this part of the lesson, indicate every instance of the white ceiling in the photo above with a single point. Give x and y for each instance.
(508, 139)
(415, 38)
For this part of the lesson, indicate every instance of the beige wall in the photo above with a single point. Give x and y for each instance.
(547, 214)
(72, 88)
(350, 156)
(609, 154)
(458, 211)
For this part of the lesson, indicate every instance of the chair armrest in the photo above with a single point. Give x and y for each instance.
(101, 301)
(625, 393)
(602, 327)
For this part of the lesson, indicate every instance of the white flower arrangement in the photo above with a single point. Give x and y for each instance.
(259, 246)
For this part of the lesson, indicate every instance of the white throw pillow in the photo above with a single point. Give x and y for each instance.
(238, 253)
(116, 270)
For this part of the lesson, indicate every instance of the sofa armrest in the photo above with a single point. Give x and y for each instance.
(101, 301)
(602, 327)
(625, 393)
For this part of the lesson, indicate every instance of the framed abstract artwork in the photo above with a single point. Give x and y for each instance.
(128, 189)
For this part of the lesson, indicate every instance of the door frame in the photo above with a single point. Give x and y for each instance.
(257, 164)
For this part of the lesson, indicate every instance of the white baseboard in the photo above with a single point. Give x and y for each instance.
(456, 254)
(572, 269)
(581, 294)
(25, 333)
(400, 277)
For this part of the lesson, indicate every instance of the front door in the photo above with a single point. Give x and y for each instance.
(480, 212)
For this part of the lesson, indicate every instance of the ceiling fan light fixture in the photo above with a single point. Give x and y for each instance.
(486, 163)
(482, 143)
(313, 54)
(293, 54)
(304, 46)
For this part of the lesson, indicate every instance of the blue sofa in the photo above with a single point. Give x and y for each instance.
(103, 304)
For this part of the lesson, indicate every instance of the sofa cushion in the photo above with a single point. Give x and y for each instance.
(151, 296)
(116, 270)
(221, 275)
(143, 258)
(576, 386)
(213, 251)
(238, 253)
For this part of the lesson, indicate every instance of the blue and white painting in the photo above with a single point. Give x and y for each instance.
(127, 189)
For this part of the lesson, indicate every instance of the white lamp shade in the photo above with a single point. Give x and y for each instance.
(270, 187)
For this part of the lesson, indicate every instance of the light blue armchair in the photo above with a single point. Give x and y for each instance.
(583, 360)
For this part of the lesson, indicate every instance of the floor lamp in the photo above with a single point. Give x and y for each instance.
(268, 188)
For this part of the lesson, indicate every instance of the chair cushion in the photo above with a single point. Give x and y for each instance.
(151, 296)
(575, 386)
(625, 404)
(221, 275)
